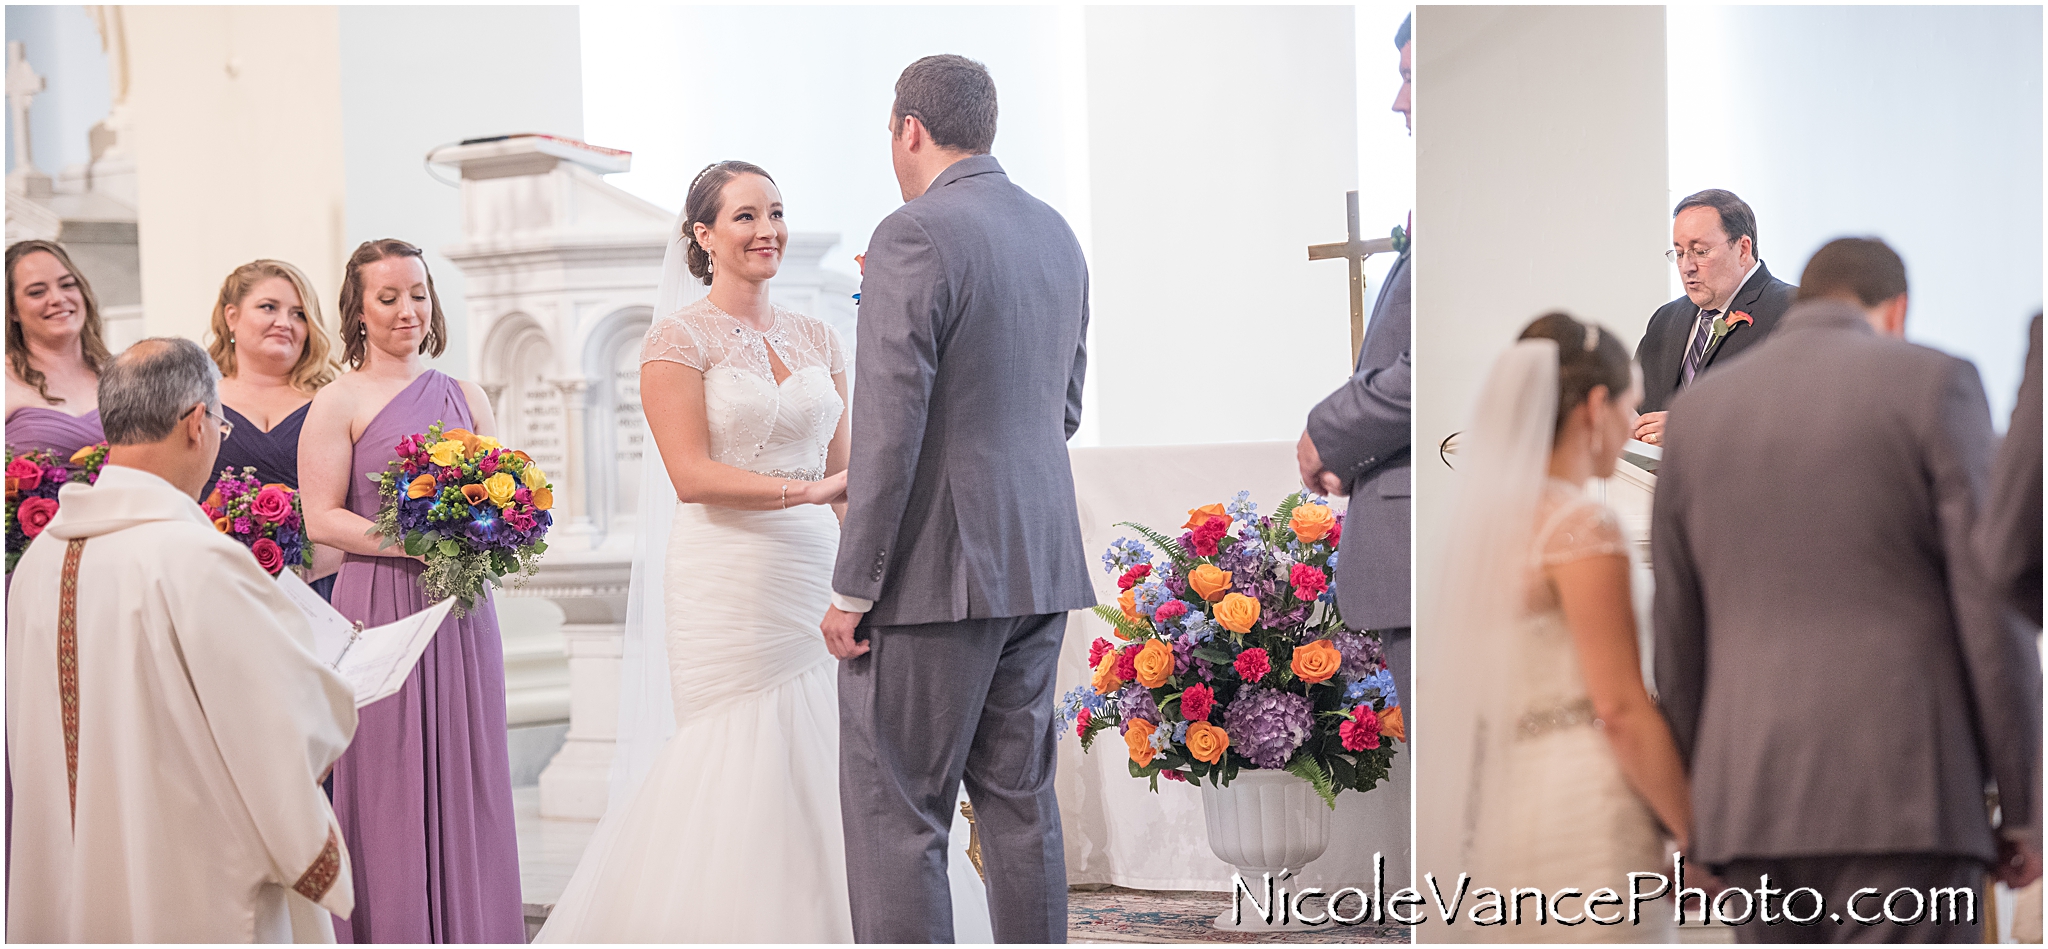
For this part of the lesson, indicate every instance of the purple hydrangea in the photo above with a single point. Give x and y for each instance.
(1266, 725)
(1135, 702)
(1361, 654)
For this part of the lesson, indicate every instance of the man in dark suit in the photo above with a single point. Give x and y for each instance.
(1841, 681)
(960, 553)
(1731, 302)
(1357, 444)
(2010, 536)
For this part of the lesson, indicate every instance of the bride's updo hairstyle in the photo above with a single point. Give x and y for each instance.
(706, 200)
(1582, 362)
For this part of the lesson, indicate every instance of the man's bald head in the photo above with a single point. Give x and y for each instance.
(153, 384)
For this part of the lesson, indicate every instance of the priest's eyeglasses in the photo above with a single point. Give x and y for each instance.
(226, 427)
(1677, 256)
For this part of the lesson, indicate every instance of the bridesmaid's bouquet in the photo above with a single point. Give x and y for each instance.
(475, 510)
(266, 518)
(34, 477)
(1230, 654)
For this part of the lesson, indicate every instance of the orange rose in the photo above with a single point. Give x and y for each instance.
(1201, 515)
(421, 487)
(1390, 724)
(1237, 613)
(543, 499)
(475, 493)
(1207, 743)
(1209, 582)
(1154, 663)
(1312, 522)
(1139, 740)
(1316, 661)
(220, 524)
(1129, 601)
(1105, 680)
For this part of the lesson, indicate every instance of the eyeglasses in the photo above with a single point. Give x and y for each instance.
(1678, 256)
(226, 427)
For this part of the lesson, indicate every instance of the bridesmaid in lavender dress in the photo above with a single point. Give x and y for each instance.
(55, 349)
(274, 353)
(424, 795)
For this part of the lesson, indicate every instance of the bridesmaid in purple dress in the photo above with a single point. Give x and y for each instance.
(274, 353)
(55, 349)
(424, 794)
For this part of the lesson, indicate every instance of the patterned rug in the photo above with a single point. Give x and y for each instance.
(1115, 914)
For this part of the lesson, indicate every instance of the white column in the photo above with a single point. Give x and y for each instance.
(575, 784)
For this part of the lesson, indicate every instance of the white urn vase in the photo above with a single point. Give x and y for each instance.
(1265, 822)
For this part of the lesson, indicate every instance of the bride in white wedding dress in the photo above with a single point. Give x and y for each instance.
(1574, 780)
(724, 822)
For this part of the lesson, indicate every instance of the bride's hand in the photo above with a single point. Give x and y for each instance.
(829, 490)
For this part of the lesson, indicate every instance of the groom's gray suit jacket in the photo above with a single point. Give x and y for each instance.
(1838, 673)
(973, 322)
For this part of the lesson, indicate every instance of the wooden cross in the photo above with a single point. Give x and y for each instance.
(22, 85)
(1354, 251)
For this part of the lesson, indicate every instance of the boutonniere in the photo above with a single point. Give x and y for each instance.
(1723, 325)
(1400, 240)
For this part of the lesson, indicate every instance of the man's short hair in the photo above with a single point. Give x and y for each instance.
(151, 385)
(954, 97)
(1863, 267)
(1401, 35)
(1737, 220)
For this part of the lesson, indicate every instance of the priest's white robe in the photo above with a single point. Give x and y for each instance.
(203, 725)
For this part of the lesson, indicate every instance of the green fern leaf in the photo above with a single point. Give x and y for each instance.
(1305, 768)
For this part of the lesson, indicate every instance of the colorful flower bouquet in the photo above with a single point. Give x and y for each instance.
(1232, 655)
(475, 510)
(265, 518)
(33, 479)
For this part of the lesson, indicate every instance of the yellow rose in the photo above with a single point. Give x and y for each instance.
(486, 443)
(543, 499)
(1316, 661)
(445, 453)
(1237, 613)
(1312, 522)
(1139, 740)
(421, 487)
(1207, 743)
(1201, 515)
(1209, 582)
(1390, 724)
(534, 478)
(463, 436)
(499, 488)
(1154, 663)
(1105, 680)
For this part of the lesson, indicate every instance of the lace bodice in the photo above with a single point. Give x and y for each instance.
(1548, 684)
(779, 429)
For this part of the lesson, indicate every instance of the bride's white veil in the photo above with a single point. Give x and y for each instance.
(646, 709)
(1503, 457)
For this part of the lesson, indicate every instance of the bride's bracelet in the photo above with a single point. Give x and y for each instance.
(785, 496)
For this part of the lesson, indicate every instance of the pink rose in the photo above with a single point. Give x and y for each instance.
(1253, 664)
(273, 504)
(1169, 610)
(269, 556)
(27, 475)
(34, 514)
(1362, 731)
(1197, 702)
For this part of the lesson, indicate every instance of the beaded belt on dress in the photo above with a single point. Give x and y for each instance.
(1555, 718)
(797, 474)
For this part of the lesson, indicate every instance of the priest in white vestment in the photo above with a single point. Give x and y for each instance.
(168, 724)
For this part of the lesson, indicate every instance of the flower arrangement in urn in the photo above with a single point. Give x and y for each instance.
(266, 518)
(1230, 654)
(33, 479)
(473, 509)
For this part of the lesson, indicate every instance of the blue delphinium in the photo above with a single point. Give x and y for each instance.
(1124, 553)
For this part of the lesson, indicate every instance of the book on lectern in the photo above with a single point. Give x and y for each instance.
(375, 661)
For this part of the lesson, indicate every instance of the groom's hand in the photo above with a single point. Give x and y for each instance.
(839, 627)
(2019, 862)
(1314, 476)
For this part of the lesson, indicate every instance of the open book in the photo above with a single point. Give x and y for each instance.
(374, 661)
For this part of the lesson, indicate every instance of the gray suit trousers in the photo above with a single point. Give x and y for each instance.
(930, 706)
(1839, 877)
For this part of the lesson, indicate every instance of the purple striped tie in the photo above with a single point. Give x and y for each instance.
(1698, 349)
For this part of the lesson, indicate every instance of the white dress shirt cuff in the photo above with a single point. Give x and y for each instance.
(851, 604)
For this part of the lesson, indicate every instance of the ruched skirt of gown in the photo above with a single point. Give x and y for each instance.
(734, 836)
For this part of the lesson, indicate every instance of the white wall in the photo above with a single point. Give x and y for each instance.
(413, 78)
(1540, 184)
(1920, 125)
(63, 47)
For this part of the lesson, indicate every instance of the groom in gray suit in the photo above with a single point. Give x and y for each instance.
(1841, 678)
(960, 552)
